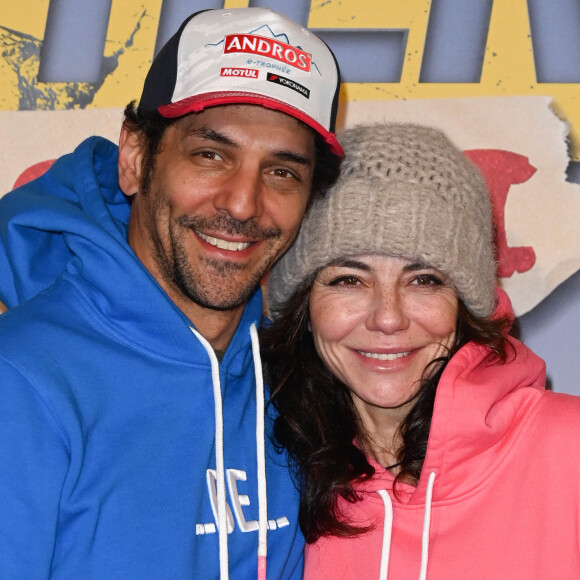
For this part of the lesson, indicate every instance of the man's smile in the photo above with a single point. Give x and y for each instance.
(224, 244)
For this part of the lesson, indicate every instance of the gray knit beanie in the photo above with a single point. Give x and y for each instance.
(405, 191)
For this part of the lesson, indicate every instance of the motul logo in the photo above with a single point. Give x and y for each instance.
(239, 72)
(268, 47)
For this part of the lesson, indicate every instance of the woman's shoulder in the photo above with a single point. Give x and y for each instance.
(561, 402)
(559, 413)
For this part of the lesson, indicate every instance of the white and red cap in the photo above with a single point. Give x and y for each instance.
(249, 56)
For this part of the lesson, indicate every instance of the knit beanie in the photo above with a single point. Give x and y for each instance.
(405, 191)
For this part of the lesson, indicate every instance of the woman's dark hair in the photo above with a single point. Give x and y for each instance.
(317, 422)
(152, 126)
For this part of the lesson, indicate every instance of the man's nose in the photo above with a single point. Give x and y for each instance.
(241, 195)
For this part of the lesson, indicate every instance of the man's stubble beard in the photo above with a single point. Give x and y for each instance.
(218, 296)
(173, 260)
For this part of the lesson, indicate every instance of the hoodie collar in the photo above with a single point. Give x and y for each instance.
(478, 408)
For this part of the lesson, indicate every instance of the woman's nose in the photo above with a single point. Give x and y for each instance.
(388, 313)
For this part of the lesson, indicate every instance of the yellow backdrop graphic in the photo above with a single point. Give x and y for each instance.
(508, 66)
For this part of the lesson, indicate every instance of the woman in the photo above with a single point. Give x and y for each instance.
(425, 443)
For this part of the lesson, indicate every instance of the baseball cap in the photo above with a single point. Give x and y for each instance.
(246, 56)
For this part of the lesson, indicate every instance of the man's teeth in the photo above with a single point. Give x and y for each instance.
(223, 244)
(379, 356)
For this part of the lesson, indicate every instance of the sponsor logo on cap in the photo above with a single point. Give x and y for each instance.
(250, 73)
(273, 78)
(268, 47)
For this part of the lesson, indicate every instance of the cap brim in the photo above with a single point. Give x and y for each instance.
(200, 102)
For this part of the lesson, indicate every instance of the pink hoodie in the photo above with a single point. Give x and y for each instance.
(499, 493)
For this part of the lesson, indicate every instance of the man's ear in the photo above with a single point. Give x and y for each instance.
(130, 157)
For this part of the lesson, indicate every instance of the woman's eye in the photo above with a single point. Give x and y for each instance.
(428, 280)
(345, 281)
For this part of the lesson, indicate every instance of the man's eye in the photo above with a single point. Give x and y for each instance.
(209, 155)
(283, 173)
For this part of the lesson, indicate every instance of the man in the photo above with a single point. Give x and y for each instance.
(133, 442)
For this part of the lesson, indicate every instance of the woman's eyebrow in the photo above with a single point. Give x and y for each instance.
(413, 266)
(350, 263)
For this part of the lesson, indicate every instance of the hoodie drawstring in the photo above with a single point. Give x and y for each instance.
(388, 527)
(222, 523)
(261, 452)
(426, 526)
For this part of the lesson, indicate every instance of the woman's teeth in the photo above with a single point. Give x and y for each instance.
(379, 356)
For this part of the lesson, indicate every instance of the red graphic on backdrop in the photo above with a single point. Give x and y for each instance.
(33, 172)
(501, 170)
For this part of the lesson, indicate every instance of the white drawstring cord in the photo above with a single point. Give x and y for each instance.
(222, 523)
(261, 458)
(426, 527)
(387, 529)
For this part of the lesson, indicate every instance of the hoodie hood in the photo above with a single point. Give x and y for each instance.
(480, 407)
(47, 222)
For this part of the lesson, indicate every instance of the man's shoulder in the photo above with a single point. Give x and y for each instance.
(40, 318)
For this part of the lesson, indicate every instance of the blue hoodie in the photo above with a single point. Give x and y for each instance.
(109, 415)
